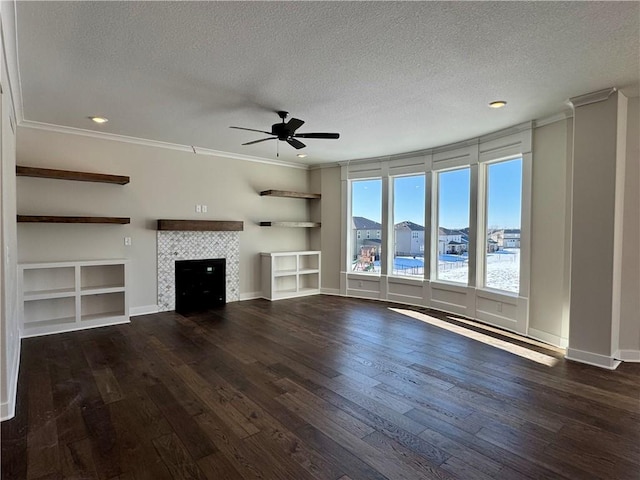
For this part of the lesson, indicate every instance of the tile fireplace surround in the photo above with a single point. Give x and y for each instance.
(193, 245)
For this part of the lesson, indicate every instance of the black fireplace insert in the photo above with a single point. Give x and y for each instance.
(200, 284)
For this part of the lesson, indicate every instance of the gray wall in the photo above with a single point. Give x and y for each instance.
(547, 315)
(164, 184)
(630, 304)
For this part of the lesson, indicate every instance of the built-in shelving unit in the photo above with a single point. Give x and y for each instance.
(290, 274)
(201, 225)
(67, 219)
(65, 296)
(22, 171)
(290, 194)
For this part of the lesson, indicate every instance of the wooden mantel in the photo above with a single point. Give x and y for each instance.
(201, 225)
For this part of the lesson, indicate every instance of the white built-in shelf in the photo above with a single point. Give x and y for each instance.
(65, 296)
(290, 274)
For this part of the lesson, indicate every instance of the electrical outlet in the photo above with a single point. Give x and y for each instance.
(198, 208)
(204, 209)
(127, 241)
(499, 306)
(360, 284)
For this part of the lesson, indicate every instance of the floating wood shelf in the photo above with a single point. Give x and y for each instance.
(59, 219)
(201, 225)
(285, 193)
(70, 175)
(290, 224)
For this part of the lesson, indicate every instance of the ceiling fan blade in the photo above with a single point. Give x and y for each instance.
(318, 135)
(295, 143)
(252, 130)
(258, 141)
(294, 124)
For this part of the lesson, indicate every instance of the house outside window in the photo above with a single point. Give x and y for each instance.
(503, 207)
(408, 230)
(453, 220)
(366, 214)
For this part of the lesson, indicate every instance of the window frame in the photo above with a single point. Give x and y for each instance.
(393, 221)
(525, 218)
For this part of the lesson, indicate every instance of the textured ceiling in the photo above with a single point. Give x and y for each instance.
(391, 77)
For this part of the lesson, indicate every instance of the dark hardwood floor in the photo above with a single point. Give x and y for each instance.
(315, 388)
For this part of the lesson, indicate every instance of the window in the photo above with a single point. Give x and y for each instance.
(366, 214)
(503, 208)
(453, 225)
(408, 220)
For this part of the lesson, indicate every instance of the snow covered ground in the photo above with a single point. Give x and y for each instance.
(503, 268)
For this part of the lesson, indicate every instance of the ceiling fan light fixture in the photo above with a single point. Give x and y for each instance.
(99, 120)
(498, 104)
(287, 132)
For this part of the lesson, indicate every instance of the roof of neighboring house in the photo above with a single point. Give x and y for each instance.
(361, 223)
(414, 227)
(371, 241)
(449, 231)
(455, 243)
(512, 231)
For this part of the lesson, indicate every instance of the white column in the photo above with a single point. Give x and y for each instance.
(599, 149)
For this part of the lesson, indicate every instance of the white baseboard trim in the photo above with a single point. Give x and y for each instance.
(549, 338)
(595, 359)
(331, 291)
(628, 355)
(143, 310)
(250, 296)
(73, 328)
(8, 408)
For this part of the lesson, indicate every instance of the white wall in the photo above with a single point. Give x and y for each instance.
(164, 184)
(9, 335)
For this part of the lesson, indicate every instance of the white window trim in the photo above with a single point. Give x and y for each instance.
(470, 300)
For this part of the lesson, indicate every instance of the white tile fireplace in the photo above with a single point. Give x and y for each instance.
(196, 245)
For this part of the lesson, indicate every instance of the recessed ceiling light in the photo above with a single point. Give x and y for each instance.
(99, 119)
(497, 104)
(301, 155)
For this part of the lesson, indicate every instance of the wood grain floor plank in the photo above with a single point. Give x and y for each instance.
(315, 388)
(182, 423)
(77, 460)
(43, 457)
(177, 459)
(217, 467)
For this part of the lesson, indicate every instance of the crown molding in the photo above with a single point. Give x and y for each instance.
(155, 143)
(593, 97)
(558, 117)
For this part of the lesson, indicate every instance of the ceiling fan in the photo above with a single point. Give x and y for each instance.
(285, 132)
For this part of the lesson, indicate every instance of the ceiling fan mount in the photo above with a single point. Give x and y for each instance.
(286, 132)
